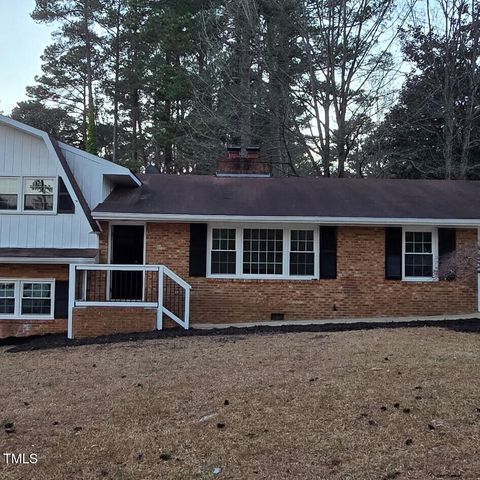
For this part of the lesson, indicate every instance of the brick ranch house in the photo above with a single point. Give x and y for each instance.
(89, 248)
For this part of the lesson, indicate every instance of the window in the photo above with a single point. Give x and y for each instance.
(224, 256)
(38, 194)
(302, 255)
(7, 298)
(419, 254)
(8, 193)
(262, 251)
(26, 298)
(65, 202)
(252, 252)
(36, 298)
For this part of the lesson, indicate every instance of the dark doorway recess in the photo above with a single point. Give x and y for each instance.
(127, 249)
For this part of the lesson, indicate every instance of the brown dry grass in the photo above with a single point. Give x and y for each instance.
(302, 405)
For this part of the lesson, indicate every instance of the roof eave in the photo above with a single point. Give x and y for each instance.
(327, 220)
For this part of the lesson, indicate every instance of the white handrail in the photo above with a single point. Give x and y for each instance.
(176, 278)
(115, 267)
(159, 304)
(185, 323)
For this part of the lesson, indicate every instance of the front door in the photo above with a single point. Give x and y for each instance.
(127, 249)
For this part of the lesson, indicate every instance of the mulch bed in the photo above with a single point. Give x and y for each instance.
(45, 342)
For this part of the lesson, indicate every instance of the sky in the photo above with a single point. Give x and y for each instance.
(22, 41)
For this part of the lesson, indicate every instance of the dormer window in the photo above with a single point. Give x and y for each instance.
(8, 193)
(38, 193)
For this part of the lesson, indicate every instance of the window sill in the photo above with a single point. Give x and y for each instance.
(27, 318)
(27, 212)
(420, 279)
(262, 277)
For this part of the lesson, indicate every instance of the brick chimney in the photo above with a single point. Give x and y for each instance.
(250, 165)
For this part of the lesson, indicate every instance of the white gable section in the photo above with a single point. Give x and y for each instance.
(26, 151)
(24, 154)
(96, 176)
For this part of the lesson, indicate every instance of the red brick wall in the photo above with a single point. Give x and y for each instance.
(93, 321)
(360, 289)
(24, 327)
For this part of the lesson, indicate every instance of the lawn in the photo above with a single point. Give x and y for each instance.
(378, 404)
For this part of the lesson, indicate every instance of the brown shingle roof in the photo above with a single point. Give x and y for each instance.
(56, 253)
(303, 197)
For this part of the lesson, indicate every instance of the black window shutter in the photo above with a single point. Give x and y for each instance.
(64, 200)
(61, 299)
(198, 250)
(393, 253)
(447, 244)
(328, 252)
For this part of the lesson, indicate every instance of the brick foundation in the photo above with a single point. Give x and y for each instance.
(25, 327)
(94, 321)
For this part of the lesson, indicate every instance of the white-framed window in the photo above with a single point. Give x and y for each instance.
(39, 194)
(7, 298)
(26, 299)
(9, 193)
(263, 251)
(28, 194)
(302, 252)
(223, 255)
(419, 253)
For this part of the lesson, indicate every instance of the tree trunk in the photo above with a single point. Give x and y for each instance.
(244, 33)
(91, 140)
(116, 83)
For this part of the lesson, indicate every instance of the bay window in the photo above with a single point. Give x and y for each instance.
(250, 251)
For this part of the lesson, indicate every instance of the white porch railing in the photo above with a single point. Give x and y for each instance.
(150, 286)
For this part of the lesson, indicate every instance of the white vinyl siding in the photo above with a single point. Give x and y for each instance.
(23, 156)
(89, 171)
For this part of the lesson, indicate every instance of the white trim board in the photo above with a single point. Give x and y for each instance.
(370, 221)
(337, 321)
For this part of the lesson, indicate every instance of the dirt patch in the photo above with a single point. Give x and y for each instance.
(370, 404)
